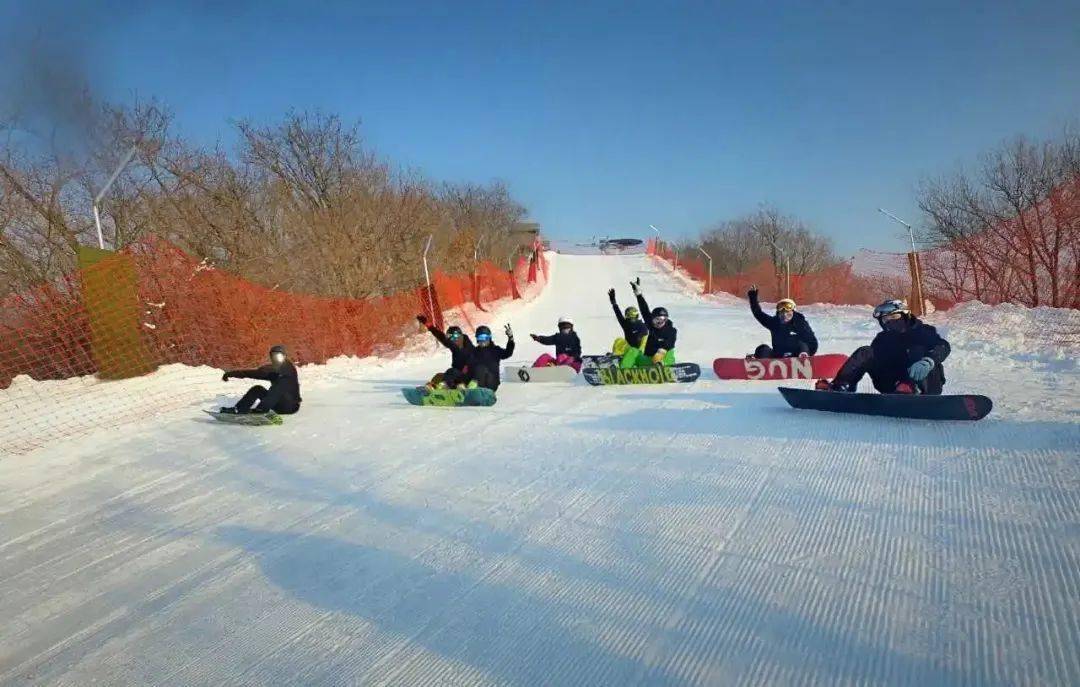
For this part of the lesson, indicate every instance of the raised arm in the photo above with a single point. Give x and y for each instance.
(546, 340)
(755, 308)
(615, 307)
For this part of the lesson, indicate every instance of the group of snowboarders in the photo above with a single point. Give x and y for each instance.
(904, 358)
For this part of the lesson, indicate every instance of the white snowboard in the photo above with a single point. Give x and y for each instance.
(556, 373)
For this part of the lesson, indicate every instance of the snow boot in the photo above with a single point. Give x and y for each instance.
(819, 385)
(229, 411)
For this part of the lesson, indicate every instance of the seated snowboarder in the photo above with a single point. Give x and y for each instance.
(635, 331)
(283, 396)
(904, 358)
(659, 345)
(459, 345)
(791, 333)
(483, 358)
(567, 346)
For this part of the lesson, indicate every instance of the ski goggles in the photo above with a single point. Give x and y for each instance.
(454, 336)
(891, 317)
(565, 327)
(483, 337)
(785, 307)
(659, 320)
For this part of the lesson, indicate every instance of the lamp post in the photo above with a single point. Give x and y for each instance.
(913, 263)
(659, 241)
(787, 261)
(104, 190)
(708, 282)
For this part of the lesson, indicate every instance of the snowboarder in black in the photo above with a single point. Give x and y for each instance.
(634, 330)
(283, 396)
(484, 358)
(459, 345)
(904, 358)
(660, 344)
(567, 346)
(791, 333)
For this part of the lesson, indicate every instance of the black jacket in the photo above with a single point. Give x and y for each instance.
(658, 338)
(565, 344)
(894, 352)
(483, 363)
(634, 331)
(283, 381)
(785, 335)
(459, 357)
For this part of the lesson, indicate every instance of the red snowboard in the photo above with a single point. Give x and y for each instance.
(814, 367)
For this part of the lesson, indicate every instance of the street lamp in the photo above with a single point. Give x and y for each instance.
(913, 261)
(101, 194)
(787, 261)
(708, 282)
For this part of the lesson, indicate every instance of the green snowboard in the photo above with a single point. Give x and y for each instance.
(422, 396)
(250, 419)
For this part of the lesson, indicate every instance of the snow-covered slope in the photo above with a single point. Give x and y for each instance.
(697, 534)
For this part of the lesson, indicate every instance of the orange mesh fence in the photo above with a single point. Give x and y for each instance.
(135, 333)
(834, 284)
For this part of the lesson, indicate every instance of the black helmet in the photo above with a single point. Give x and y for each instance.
(278, 348)
(659, 312)
(483, 329)
(891, 310)
(453, 329)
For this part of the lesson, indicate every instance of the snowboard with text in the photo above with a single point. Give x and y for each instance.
(767, 369)
(422, 396)
(249, 419)
(654, 374)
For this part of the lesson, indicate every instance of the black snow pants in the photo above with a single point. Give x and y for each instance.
(884, 377)
(766, 351)
(274, 400)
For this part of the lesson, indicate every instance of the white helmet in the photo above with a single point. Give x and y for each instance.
(567, 319)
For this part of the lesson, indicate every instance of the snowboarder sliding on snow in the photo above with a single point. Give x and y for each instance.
(460, 346)
(483, 358)
(283, 396)
(567, 346)
(634, 330)
(904, 358)
(659, 344)
(791, 333)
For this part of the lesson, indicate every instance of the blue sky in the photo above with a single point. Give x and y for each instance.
(605, 117)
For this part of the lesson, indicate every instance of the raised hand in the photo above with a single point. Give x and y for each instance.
(635, 286)
(752, 293)
(509, 331)
(422, 319)
(611, 295)
(225, 377)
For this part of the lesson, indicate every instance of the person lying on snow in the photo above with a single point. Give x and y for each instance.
(567, 346)
(483, 358)
(635, 331)
(459, 345)
(659, 348)
(904, 358)
(283, 396)
(791, 333)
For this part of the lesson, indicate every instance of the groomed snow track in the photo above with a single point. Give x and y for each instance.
(686, 534)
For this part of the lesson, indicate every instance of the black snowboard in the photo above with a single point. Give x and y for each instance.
(921, 407)
(654, 374)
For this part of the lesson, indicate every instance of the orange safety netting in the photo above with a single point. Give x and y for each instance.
(123, 316)
(834, 284)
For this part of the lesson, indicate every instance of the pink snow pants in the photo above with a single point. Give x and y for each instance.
(563, 359)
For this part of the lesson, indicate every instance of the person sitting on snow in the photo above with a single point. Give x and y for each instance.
(659, 346)
(283, 396)
(459, 345)
(791, 333)
(483, 358)
(567, 346)
(904, 358)
(635, 331)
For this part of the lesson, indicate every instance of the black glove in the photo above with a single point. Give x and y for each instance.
(752, 293)
(611, 295)
(635, 286)
(534, 337)
(422, 319)
(509, 332)
(225, 377)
